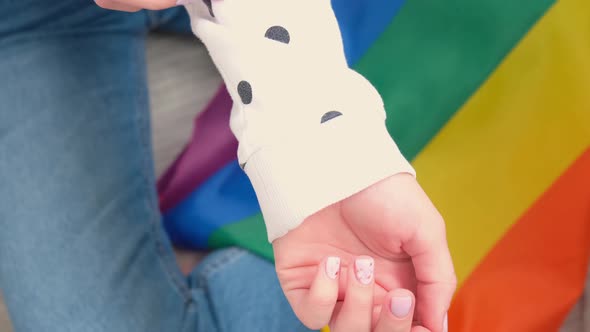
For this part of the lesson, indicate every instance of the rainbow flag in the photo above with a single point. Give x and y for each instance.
(490, 99)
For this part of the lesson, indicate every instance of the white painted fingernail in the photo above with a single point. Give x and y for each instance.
(333, 267)
(401, 306)
(183, 2)
(446, 323)
(364, 268)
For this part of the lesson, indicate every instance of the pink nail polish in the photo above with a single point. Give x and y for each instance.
(364, 268)
(401, 306)
(446, 323)
(333, 267)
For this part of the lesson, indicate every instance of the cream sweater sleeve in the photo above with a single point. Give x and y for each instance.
(311, 131)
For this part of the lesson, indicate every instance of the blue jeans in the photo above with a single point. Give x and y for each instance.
(82, 247)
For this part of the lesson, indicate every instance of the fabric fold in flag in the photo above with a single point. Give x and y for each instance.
(211, 147)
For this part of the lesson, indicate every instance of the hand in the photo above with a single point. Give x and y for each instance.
(136, 5)
(393, 222)
(355, 313)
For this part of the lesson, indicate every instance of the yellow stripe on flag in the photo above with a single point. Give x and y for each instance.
(514, 137)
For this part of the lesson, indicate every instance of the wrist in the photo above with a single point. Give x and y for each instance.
(294, 181)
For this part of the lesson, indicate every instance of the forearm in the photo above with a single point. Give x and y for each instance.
(311, 131)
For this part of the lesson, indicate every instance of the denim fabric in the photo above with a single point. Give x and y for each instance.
(82, 247)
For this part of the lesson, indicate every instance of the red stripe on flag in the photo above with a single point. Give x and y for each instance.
(534, 275)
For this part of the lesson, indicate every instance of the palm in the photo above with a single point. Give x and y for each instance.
(378, 222)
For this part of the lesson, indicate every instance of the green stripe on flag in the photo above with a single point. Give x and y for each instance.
(249, 233)
(434, 56)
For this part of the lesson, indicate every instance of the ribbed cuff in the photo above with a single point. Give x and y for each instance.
(295, 180)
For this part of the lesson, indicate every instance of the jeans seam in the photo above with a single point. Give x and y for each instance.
(179, 284)
(228, 256)
(210, 269)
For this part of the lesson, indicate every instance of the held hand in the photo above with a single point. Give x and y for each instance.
(356, 313)
(136, 5)
(394, 223)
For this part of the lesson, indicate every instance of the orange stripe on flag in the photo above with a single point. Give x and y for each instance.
(534, 275)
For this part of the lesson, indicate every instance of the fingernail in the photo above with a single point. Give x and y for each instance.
(183, 2)
(401, 306)
(446, 323)
(364, 268)
(333, 267)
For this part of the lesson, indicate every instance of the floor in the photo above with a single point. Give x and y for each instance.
(181, 83)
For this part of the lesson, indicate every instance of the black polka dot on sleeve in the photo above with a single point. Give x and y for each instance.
(278, 33)
(330, 115)
(245, 92)
(210, 6)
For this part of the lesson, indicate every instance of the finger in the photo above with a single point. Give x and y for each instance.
(397, 312)
(315, 308)
(150, 4)
(147, 4)
(115, 5)
(357, 309)
(436, 281)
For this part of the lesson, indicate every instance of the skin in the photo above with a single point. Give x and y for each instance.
(135, 5)
(392, 222)
(356, 312)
